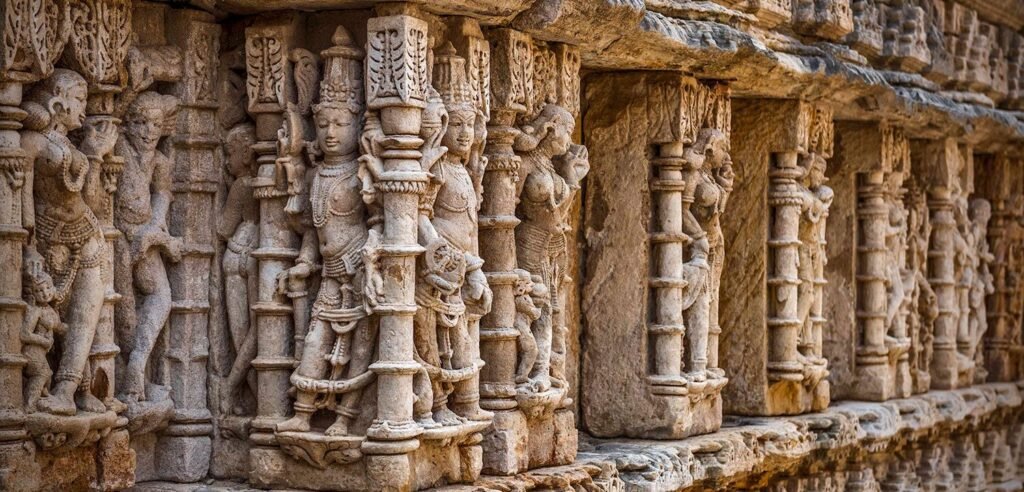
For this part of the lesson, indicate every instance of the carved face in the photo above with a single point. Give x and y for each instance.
(561, 136)
(816, 171)
(240, 153)
(717, 153)
(460, 134)
(71, 114)
(144, 127)
(337, 131)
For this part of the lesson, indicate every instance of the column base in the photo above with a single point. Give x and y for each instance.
(519, 441)
(183, 458)
(794, 398)
(310, 460)
(105, 464)
(231, 449)
(19, 471)
(875, 382)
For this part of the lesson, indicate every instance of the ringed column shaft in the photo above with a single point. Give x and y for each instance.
(196, 177)
(873, 215)
(784, 325)
(941, 278)
(13, 197)
(394, 42)
(498, 221)
(266, 48)
(667, 328)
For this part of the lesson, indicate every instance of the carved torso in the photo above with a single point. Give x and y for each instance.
(60, 174)
(455, 207)
(133, 202)
(339, 213)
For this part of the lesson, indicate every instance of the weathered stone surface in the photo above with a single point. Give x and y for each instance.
(483, 244)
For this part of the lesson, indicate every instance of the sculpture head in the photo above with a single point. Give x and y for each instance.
(144, 121)
(57, 102)
(552, 129)
(814, 164)
(714, 145)
(452, 84)
(238, 145)
(338, 115)
(337, 128)
(980, 212)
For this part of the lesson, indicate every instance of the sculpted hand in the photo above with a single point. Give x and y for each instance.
(292, 276)
(479, 291)
(100, 138)
(172, 248)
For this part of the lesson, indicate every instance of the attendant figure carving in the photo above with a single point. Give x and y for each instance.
(817, 198)
(140, 213)
(238, 226)
(38, 327)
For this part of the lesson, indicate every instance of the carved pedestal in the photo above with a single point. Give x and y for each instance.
(649, 360)
(773, 357)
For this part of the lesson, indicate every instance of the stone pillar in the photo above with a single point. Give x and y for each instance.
(666, 282)
(183, 452)
(671, 131)
(397, 98)
(773, 359)
(510, 61)
(940, 159)
(266, 51)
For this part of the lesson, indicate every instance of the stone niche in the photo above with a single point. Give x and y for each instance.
(650, 363)
(773, 286)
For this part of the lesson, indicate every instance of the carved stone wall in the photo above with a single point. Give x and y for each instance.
(548, 245)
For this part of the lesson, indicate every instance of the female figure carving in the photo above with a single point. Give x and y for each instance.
(552, 168)
(65, 231)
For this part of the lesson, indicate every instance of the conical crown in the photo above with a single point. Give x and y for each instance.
(343, 72)
(450, 79)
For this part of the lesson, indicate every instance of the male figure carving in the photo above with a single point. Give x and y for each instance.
(140, 213)
(66, 232)
(341, 338)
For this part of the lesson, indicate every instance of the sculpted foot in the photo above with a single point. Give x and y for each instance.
(446, 417)
(298, 423)
(89, 403)
(338, 428)
(57, 404)
(427, 421)
(475, 413)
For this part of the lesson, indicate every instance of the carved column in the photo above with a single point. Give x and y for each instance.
(23, 60)
(784, 252)
(667, 283)
(941, 161)
(184, 449)
(511, 59)
(874, 378)
(266, 51)
(397, 85)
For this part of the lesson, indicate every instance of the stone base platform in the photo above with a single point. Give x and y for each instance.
(972, 439)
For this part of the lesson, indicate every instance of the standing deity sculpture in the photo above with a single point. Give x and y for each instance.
(38, 328)
(451, 289)
(898, 277)
(65, 232)
(817, 198)
(709, 178)
(549, 178)
(341, 338)
(140, 213)
(238, 226)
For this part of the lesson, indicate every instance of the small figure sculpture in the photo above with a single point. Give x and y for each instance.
(140, 213)
(41, 322)
(531, 297)
(238, 226)
(65, 231)
(341, 339)
(984, 283)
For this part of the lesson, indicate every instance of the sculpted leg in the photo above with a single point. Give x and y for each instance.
(542, 334)
(154, 308)
(313, 365)
(363, 340)
(466, 393)
(237, 300)
(81, 315)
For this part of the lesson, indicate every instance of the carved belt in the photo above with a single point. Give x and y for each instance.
(344, 263)
(74, 235)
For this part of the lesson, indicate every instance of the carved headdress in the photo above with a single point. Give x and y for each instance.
(342, 86)
(451, 81)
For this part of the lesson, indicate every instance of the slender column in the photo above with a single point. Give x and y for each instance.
(184, 450)
(510, 52)
(941, 158)
(14, 452)
(266, 48)
(396, 92)
(784, 323)
(666, 328)
(872, 255)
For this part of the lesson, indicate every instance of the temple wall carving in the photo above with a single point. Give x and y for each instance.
(550, 245)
